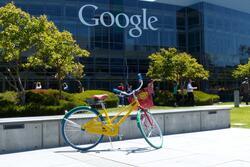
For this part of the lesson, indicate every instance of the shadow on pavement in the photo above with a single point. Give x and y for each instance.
(129, 150)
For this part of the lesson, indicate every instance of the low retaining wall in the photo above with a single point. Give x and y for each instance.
(29, 133)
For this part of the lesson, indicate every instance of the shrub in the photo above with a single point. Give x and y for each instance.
(111, 101)
(39, 110)
(202, 98)
(41, 98)
(51, 97)
(165, 98)
(8, 98)
(46, 102)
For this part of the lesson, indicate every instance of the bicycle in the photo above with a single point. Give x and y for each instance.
(75, 129)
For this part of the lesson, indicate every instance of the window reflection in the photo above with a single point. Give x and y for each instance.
(218, 37)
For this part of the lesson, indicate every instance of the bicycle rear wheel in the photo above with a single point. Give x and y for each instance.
(72, 128)
(149, 128)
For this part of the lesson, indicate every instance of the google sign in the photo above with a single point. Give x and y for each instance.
(138, 22)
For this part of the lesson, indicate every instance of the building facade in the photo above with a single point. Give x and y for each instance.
(121, 34)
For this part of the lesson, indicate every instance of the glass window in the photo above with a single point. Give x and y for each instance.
(98, 44)
(169, 21)
(104, 68)
(102, 61)
(71, 28)
(193, 17)
(105, 45)
(36, 9)
(116, 46)
(53, 10)
(87, 60)
(22, 6)
(164, 37)
(181, 22)
(116, 61)
(132, 68)
(132, 61)
(143, 69)
(105, 85)
(182, 39)
(117, 70)
(71, 11)
(144, 61)
(153, 38)
(194, 38)
(210, 21)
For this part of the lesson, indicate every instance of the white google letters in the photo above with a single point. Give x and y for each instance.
(134, 20)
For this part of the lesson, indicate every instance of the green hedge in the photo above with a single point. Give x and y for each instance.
(46, 102)
(202, 98)
(51, 97)
(8, 98)
(111, 101)
(166, 98)
(163, 98)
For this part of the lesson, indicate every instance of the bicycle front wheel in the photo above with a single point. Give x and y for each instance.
(72, 128)
(149, 128)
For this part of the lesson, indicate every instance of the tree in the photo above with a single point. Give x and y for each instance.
(186, 67)
(174, 66)
(17, 39)
(30, 42)
(161, 65)
(242, 70)
(58, 51)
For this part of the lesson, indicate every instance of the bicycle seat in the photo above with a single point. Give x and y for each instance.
(100, 97)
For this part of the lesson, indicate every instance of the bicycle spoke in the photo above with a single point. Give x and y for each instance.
(73, 133)
(73, 123)
(73, 130)
(150, 129)
(149, 134)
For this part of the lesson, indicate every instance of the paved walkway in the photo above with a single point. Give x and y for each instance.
(219, 148)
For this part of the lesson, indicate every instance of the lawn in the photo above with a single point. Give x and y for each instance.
(240, 116)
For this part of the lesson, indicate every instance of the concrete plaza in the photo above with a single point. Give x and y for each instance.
(218, 148)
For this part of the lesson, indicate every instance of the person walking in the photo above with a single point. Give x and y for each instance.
(121, 96)
(175, 93)
(151, 88)
(190, 93)
(244, 90)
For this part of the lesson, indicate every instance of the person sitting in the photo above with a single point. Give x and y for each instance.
(38, 85)
(65, 86)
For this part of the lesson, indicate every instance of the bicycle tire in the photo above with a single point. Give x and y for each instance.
(73, 133)
(149, 128)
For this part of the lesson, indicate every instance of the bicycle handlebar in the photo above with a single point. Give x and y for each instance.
(139, 76)
(135, 90)
(116, 91)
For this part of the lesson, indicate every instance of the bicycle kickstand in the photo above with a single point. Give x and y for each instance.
(110, 141)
